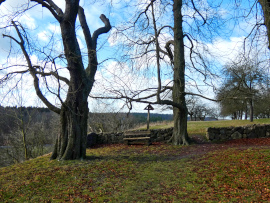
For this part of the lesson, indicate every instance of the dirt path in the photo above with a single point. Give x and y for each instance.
(200, 146)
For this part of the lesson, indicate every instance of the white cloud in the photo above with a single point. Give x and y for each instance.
(28, 21)
(54, 28)
(44, 36)
(227, 50)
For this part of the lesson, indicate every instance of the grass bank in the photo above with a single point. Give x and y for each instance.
(137, 173)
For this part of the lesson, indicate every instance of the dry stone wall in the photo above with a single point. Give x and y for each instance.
(159, 135)
(229, 133)
(163, 135)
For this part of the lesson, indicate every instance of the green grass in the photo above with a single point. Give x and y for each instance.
(138, 173)
(199, 127)
(120, 173)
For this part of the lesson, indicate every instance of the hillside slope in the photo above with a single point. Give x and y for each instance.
(231, 171)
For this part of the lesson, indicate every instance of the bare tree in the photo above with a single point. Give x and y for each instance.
(71, 142)
(198, 110)
(158, 41)
(261, 105)
(245, 79)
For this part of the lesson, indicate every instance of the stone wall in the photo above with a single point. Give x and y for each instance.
(160, 135)
(163, 135)
(229, 133)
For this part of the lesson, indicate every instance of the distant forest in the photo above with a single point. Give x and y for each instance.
(15, 119)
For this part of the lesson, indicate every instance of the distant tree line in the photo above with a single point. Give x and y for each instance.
(26, 132)
(245, 91)
(18, 119)
(118, 122)
(199, 111)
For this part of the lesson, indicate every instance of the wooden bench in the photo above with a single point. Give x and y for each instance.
(132, 137)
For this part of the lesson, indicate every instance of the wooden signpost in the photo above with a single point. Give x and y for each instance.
(148, 108)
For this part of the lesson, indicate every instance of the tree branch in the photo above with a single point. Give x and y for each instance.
(85, 28)
(9, 75)
(2, 1)
(52, 73)
(167, 47)
(165, 26)
(199, 95)
(11, 38)
(32, 72)
(101, 30)
(120, 95)
(88, 39)
(144, 12)
(52, 7)
(204, 20)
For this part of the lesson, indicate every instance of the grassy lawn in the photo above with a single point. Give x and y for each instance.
(199, 127)
(138, 173)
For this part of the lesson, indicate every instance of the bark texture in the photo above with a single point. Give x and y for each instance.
(180, 135)
(266, 12)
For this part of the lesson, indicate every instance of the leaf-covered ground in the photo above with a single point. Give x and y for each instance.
(233, 171)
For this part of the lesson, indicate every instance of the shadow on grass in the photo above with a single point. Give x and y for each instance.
(140, 158)
(161, 152)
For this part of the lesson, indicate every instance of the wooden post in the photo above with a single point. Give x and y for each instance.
(148, 108)
(148, 119)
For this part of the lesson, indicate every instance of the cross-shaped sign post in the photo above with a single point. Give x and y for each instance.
(149, 108)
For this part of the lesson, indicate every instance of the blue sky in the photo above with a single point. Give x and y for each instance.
(42, 25)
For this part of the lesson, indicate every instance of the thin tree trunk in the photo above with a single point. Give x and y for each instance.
(157, 53)
(241, 115)
(180, 135)
(24, 144)
(234, 117)
(251, 110)
(23, 133)
(246, 113)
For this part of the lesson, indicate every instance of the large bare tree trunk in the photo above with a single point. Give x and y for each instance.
(71, 142)
(180, 135)
(266, 12)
